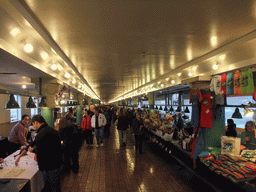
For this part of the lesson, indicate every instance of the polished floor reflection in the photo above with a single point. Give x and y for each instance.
(115, 168)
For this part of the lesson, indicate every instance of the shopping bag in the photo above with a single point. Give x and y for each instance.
(230, 145)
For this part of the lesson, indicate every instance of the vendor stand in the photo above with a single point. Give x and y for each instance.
(27, 170)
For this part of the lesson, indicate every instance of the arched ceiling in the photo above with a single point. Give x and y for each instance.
(117, 49)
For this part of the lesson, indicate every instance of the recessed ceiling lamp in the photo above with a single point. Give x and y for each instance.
(215, 66)
(179, 74)
(167, 79)
(60, 67)
(173, 81)
(15, 31)
(190, 74)
(28, 48)
(79, 86)
(54, 67)
(162, 85)
(74, 81)
(158, 82)
(24, 86)
(67, 75)
(222, 57)
(44, 55)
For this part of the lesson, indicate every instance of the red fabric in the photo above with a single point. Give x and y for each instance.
(223, 87)
(35, 157)
(206, 112)
(86, 123)
(194, 142)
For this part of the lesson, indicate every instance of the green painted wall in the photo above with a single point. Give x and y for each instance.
(79, 115)
(48, 116)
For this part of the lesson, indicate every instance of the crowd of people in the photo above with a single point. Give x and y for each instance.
(57, 151)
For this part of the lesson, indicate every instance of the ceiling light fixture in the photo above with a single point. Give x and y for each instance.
(179, 74)
(248, 112)
(67, 75)
(237, 114)
(173, 81)
(15, 31)
(54, 67)
(28, 48)
(60, 67)
(190, 74)
(74, 81)
(167, 79)
(30, 104)
(12, 103)
(162, 85)
(215, 66)
(24, 86)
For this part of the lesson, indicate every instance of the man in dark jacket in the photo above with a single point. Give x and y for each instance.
(231, 129)
(47, 147)
(137, 130)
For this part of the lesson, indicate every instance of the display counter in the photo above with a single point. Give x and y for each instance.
(26, 170)
(210, 169)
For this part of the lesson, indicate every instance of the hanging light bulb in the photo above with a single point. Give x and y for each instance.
(54, 67)
(28, 48)
(215, 66)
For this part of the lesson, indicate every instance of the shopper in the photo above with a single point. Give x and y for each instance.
(87, 128)
(122, 126)
(98, 122)
(180, 122)
(231, 129)
(137, 130)
(248, 137)
(70, 136)
(17, 136)
(107, 114)
(47, 146)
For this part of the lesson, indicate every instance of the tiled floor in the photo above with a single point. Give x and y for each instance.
(111, 168)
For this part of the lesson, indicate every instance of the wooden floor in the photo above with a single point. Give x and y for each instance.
(111, 168)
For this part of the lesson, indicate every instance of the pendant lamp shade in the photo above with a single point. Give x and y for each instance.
(160, 108)
(247, 112)
(171, 109)
(165, 108)
(30, 104)
(237, 114)
(42, 102)
(178, 109)
(12, 103)
(187, 110)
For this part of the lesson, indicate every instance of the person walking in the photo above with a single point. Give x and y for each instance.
(87, 128)
(122, 126)
(98, 122)
(70, 136)
(137, 130)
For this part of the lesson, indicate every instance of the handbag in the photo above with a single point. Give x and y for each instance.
(230, 145)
